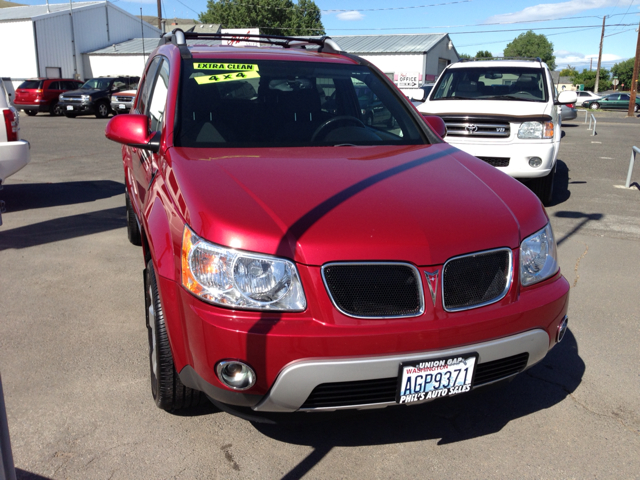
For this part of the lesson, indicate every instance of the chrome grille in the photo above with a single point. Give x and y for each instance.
(476, 127)
(496, 161)
(124, 99)
(71, 99)
(374, 290)
(383, 390)
(475, 280)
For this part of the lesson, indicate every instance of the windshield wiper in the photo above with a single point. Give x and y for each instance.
(455, 98)
(511, 97)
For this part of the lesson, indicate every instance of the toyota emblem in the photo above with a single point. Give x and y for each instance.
(471, 128)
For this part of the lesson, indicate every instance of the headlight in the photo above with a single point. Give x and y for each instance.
(538, 257)
(85, 98)
(536, 130)
(236, 279)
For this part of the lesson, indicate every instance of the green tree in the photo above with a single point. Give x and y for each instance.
(465, 56)
(624, 72)
(568, 72)
(274, 17)
(532, 45)
(588, 77)
(484, 54)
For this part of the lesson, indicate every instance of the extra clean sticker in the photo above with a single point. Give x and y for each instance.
(239, 71)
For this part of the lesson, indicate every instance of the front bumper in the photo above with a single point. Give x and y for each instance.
(13, 157)
(121, 107)
(293, 353)
(517, 151)
(78, 108)
(38, 107)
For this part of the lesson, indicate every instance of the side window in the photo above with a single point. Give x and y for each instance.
(147, 84)
(624, 96)
(158, 98)
(54, 86)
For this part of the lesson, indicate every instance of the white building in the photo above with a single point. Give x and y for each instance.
(410, 60)
(49, 40)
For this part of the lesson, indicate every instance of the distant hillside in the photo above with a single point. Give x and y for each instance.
(153, 20)
(5, 4)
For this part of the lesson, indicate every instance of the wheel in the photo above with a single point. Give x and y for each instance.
(56, 110)
(543, 187)
(636, 108)
(594, 106)
(69, 115)
(168, 391)
(133, 230)
(102, 110)
(31, 113)
(331, 121)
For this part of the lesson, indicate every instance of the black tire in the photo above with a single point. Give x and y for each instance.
(636, 108)
(102, 110)
(168, 391)
(133, 230)
(594, 106)
(543, 187)
(69, 115)
(31, 113)
(56, 110)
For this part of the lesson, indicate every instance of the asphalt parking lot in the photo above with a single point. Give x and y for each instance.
(74, 365)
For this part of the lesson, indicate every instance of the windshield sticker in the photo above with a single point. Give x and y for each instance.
(239, 71)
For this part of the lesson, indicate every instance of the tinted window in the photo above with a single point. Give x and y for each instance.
(492, 83)
(98, 83)
(158, 98)
(147, 84)
(624, 96)
(54, 86)
(273, 103)
(31, 84)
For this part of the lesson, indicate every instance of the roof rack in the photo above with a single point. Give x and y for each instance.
(480, 59)
(179, 38)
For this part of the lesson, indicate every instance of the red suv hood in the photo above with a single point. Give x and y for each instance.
(422, 204)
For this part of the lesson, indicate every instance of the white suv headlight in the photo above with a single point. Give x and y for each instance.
(236, 279)
(538, 257)
(536, 130)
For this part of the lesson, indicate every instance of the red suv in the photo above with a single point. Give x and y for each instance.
(300, 259)
(41, 94)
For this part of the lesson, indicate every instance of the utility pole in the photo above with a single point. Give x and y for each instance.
(595, 89)
(634, 80)
(160, 14)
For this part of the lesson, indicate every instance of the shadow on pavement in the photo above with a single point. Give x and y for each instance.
(27, 196)
(561, 192)
(24, 475)
(482, 412)
(63, 228)
(585, 217)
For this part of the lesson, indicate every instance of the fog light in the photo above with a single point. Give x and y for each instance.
(236, 375)
(562, 329)
(535, 162)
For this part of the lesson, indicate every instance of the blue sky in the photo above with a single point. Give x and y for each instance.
(573, 26)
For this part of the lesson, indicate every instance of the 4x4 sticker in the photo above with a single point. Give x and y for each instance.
(239, 72)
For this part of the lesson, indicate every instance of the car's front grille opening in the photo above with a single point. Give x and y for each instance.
(476, 127)
(496, 161)
(475, 280)
(374, 290)
(383, 390)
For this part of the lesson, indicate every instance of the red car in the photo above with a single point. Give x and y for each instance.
(299, 259)
(41, 94)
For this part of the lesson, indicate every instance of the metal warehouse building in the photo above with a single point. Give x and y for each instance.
(410, 60)
(48, 40)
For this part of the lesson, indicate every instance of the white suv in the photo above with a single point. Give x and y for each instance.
(504, 112)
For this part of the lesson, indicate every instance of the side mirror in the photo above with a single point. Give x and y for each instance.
(436, 124)
(132, 130)
(567, 97)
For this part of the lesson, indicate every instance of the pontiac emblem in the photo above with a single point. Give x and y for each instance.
(432, 282)
(471, 128)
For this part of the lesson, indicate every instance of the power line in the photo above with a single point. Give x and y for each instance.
(484, 31)
(510, 39)
(395, 8)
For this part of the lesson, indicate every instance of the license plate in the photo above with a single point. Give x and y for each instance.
(122, 107)
(428, 379)
(69, 107)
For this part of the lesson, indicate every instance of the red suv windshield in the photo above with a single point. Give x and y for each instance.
(256, 103)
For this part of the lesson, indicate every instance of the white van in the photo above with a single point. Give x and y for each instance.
(504, 112)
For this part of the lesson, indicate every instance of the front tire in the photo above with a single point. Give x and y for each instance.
(69, 115)
(102, 110)
(133, 230)
(168, 391)
(56, 110)
(543, 187)
(636, 108)
(594, 106)
(31, 113)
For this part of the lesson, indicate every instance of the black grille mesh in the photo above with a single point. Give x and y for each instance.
(383, 390)
(496, 161)
(475, 279)
(374, 290)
